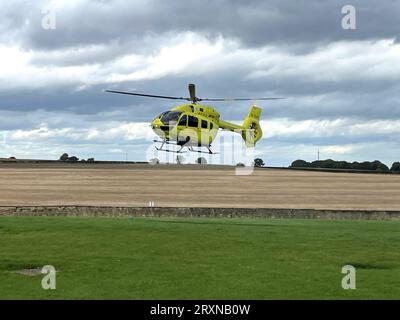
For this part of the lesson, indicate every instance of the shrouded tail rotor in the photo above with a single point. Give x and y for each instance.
(252, 131)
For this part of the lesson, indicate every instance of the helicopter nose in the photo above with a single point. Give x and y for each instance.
(156, 123)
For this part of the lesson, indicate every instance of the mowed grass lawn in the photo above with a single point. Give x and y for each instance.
(159, 258)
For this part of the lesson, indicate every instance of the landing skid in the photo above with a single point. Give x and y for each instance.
(201, 151)
(190, 148)
(168, 150)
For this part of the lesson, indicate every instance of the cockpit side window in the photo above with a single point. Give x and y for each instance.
(183, 120)
(160, 116)
(171, 117)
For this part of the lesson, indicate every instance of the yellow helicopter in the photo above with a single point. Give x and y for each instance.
(196, 125)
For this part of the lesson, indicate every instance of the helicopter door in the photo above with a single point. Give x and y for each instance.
(205, 133)
(192, 130)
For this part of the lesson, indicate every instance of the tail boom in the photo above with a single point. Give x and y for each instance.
(250, 129)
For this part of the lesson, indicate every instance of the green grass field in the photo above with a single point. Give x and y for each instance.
(132, 258)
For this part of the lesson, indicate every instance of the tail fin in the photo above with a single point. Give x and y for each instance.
(252, 130)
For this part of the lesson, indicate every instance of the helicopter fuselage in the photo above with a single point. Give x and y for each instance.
(193, 124)
(188, 124)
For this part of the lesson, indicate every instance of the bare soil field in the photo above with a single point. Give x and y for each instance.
(193, 186)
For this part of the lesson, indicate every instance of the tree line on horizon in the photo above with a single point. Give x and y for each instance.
(332, 164)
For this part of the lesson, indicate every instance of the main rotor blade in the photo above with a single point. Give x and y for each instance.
(238, 99)
(147, 95)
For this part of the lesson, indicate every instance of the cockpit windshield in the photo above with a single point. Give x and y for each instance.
(170, 117)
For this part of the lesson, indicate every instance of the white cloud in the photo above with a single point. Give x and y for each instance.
(328, 128)
(105, 132)
(334, 62)
(190, 53)
(338, 149)
(183, 56)
(284, 140)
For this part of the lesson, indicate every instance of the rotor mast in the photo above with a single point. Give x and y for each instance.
(192, 93)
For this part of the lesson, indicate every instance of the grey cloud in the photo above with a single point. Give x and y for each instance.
(98, 32)
(303, 100)
(253, 23)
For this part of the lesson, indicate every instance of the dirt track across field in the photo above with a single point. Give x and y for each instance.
(193, 186)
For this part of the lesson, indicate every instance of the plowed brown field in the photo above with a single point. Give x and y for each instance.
(193, 186)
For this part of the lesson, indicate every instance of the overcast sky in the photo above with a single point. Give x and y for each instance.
(341, 87)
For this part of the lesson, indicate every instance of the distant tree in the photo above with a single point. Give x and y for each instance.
(64, 157)
(73, 159)
(395, 167)
(201, 160)
(329, 163)
(258, 162)
(332, 164)
(379, 166)
(343, 165)
(300, 164)
(240, 164)
(368, 165)
(355, 165)
(91, 160)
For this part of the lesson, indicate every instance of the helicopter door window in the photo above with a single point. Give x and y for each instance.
(193, 122)
(204, 124)
(183, 120)
(211, 125)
